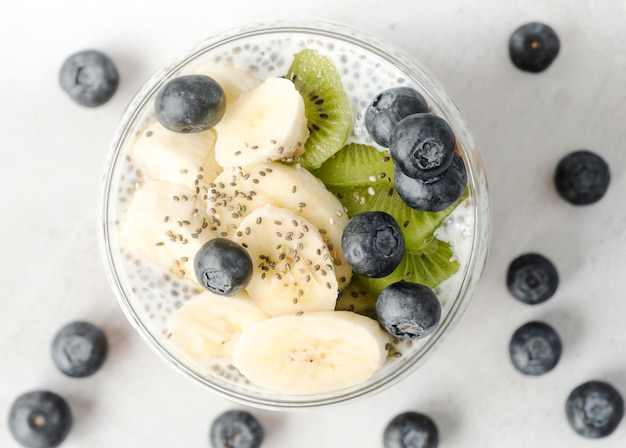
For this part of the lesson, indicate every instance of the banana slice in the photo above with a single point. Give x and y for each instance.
(208, 326)
(185, 159)
(312, 353)
(293, 269)
(167, 223)
(237, 192)
(267, 123)
(234, 81)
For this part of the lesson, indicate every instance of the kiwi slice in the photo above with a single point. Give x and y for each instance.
(356, 298)
(356, 165)
(430, 265)
(361, 177)
(326, 106)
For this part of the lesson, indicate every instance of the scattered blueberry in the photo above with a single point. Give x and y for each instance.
(373, 244)
(532, 278)
(223, 267)
(594, 409)
(436, 194)
(89, 77)
(533, 47)
(40, 419)
(411, 430)
(582, 177)
(236, 429)
(79, 349)
(190, 103)
(422, 146)
(535, 348)
(388, 108)
(408, 310)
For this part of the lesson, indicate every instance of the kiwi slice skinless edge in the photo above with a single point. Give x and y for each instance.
(326, 106)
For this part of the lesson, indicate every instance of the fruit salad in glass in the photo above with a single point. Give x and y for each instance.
(294, 214)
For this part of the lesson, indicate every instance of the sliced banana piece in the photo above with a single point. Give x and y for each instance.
(267, 123)
(293, 270)
(312, 353)
(167, 223)
(234, 81)
(236, 192)
(209, 325)
(185, 159)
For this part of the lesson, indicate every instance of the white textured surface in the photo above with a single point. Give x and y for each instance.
(52, 160)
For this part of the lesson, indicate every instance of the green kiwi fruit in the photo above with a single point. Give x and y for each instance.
(326, 106)
(430, 265)
(361, 177)
(356, 298)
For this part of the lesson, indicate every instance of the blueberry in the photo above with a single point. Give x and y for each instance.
(236, 429)
(388, 108)
(373, 244)
(40, 419)
(422, 146)
(79, 349)
(190, 103)
(582, 177)
(535, 348)
(533, 47)
(594, 409)
(408, 310)
(89, 77)
(411, 430)
(436, 194)
(532, 278)
(223, 267)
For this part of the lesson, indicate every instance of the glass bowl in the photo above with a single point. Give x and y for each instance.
(149, 295)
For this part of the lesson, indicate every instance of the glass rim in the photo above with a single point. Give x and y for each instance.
(476, 181)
